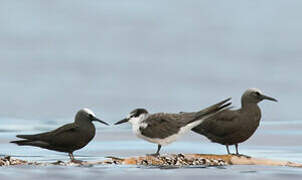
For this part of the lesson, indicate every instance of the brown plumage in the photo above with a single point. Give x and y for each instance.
(162, 125)
(231, 127)
(67, 138)
(165, 128)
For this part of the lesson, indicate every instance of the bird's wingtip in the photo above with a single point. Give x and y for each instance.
(14, 142)
(228, 99)
(20, 136)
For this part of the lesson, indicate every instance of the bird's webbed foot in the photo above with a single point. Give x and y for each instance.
(154, 154)
(242, 155)
(76, 161)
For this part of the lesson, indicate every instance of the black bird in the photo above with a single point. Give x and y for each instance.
(67, 138)
(164, 128)
(231, 127)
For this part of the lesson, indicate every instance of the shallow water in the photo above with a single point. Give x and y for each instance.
(113, 56)
(268, 142)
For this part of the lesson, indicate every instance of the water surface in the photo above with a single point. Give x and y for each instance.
(57, 57)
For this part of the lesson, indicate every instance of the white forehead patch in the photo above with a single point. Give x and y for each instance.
(89, 111)
(255, 90)
(130, 114)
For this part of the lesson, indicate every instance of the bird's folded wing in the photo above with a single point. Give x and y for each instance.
(64, 129)
(47, 135)
(213, 109)
(220, 124)
(161, 125)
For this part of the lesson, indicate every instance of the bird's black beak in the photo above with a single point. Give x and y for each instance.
(122, 121)
(96, 119)
(268, 98)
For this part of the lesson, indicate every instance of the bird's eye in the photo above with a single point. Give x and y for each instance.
(90, 115)
(257, 93)
(132, 115)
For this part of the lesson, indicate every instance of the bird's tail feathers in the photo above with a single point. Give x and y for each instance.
(22, 142)
(28, 137)
(211, 110)
(30, 143)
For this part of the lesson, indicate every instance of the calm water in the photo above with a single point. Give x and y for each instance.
(113, 56)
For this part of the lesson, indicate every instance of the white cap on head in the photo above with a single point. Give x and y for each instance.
(89, 111)
(254, 90)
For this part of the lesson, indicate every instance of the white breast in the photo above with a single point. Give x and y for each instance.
(167, 140)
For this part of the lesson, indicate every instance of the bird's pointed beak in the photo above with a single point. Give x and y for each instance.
(268, 98)
(122, 121)
(96, 119)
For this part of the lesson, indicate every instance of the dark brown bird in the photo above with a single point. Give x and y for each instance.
(67, 138)
(231, 127)
(165, 128)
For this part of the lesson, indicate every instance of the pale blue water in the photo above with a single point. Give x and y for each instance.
(57, 57)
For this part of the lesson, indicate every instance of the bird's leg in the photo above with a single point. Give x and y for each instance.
(227, 148)
(72, 159)
(71, 156)
(236, 146)
(158, 149)
(157, 152)
(239, 155)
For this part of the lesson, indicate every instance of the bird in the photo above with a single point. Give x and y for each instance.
(231, 127)
(165, 128)
(67, 138)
